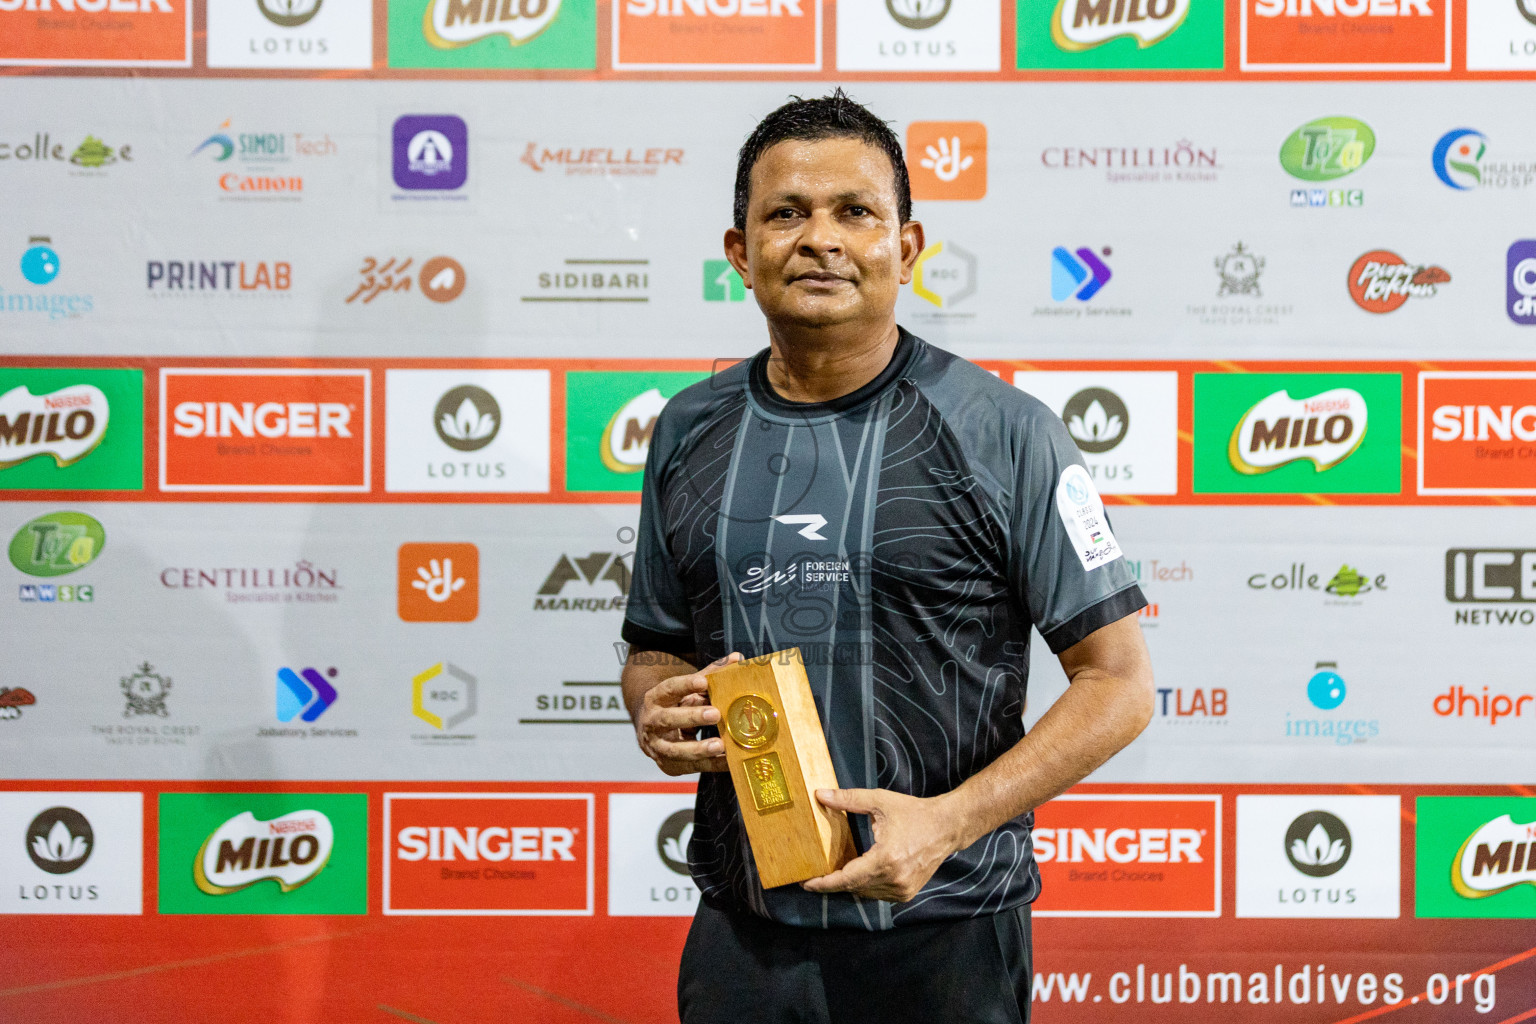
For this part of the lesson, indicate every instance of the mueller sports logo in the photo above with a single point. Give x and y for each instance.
(1083, 24)
(488, 853)
(601, 160)
(264, 430)
(289, 850)
(66, 424)
(737, 35)
(1381, 281)
(1477, 432)
(1324, 429)
(1499, 855)
(626, 440)
(448, 24)
(1129, 856)
(593, 575)
(1346, 35)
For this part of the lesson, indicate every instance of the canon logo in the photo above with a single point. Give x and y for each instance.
(1121, 845)
(1478, 422)
(267, 419)
(493, 844)
(1347, 8)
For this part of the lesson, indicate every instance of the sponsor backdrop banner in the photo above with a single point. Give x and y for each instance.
(333, 334)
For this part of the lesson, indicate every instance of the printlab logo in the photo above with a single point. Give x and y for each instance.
(1380, 281)
(60, 840)
(441, 279)
(722, 283)
(599, 567)
(145, 692)
(467, 418)
(1097, 419)
(947, 159)
(945, 276)
(431, 151)
(12, 700)
(1078, 275)
(1318, 844)
(1324, 150)
(40, 265)
(443, 696)
(1198, 706)
(1239, 271)
(1520, 284)
(175, 278)
(1079, 34)
(438, 582)
(305, 694)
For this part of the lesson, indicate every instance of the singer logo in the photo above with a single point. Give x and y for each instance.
(730, 35)
(1325, 429)
(138, 33)
(66, 424)
(439, 583)
(264, 430)
(290, 850)
(488, 853)
(1346, 35)
(1129, 856)
(1477, 432)
(453, 23)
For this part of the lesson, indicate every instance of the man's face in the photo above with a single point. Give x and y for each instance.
(824, 243)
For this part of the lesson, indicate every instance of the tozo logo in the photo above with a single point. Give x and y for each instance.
(672, 840)
(60, 840)
(467, 418)
(1097, 420)
(1318, 844)
(1327, 148)
(289, 13)
(306, 691)
(57, 544)
(1078, 276)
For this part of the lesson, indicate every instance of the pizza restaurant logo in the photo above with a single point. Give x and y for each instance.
(12, 700)
(1346, 35)
(1324, 429)
(132, 33)
(1182, 162)
(438, 582)
(264, 430)
(728, 35)
(599, 582)
(440, 279)
(947, 159)
(1477, 432)
(628, 161)
(1380, 281)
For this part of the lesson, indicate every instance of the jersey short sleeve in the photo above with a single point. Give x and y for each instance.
(657, 616)
(1065, 561)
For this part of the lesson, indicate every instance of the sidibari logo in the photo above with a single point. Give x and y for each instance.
(467, 418)
(452, 23)
(1318, 844)
(1381, 281)
(57, 544)
(626, 440)
(1325, 429)
(289, 13)
(289, 850)
(1097, 419)
(1083, 24)
(1499, 855)
(67, 424)
(1327, 148)
(60, 840)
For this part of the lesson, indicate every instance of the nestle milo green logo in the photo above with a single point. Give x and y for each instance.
(1327, 148)
(57, 544)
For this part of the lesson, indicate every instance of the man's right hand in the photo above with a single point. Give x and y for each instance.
(669, 717)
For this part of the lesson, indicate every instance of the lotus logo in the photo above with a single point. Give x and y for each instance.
(467, 418)
(672, 840)
(1097, 419)
(60, 840)
(917, 14)
(289, 13)
(1318, 844)
(1527, 9)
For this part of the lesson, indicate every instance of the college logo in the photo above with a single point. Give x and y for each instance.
(947, 159)
(443, 696)
(1327, 856)
(650, 878)
(12, 700)
(71, 429)
(263, 853)
(1346, 35)
(1338, 435)
(1129, 856)
(439, 582)
(431, 151)
(291, 34)
(1326, 691)
(722, 283)
(488, 853)
(1078, 276)
(1520, 282)
(1473, 857)
(586, 574)
(1124, 423)
(57, 544)
(944, 275)
(919, 35)
(1082, 34)
(305, 694)
(71, 853)
(1346, 585)
(610, 417)
(145, 692)
(493, 34)
(138, 33)
(720, 35)
(466, 431)
(1477, 432)
(264, 430)
(1381, 281)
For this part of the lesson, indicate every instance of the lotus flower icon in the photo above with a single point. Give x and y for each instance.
(1318, 850)
(1318, 844)
(467, 418)
(58, 845)
(468, 423)
(676, 847)
(1095, 425)
(59, 840)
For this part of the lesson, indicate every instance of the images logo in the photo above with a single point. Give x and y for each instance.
(138, 33)
(944, 275)
(493, 34)
(57, 544)
(1326, 691)
(610, 417)
(1474, 857)
(1239, 270)
(431, 150)
(1476, 431)
(947, 159)
(306, 691)
(12, 700)
(1326, 688)
(145, 692)
(722, 283)
(1381, 281)
(1083, 34)
(39, 263)
(1252, 436)
(1346, 35)
(1458, 157)
(722, 35)
(1327, 148)
(1520, 285)
(1078, 277)
(438, 582)
(443, 696)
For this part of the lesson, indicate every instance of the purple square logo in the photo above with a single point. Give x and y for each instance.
(431, 152)
(1520, 282)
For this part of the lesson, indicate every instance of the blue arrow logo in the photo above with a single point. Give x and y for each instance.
(1077, 276)
(306, 691)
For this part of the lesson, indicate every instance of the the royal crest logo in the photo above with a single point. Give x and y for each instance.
(1279, 429)
(1381, 281)
(452, 23)
(146, 691)
(67, 424)
(289, 850)
(1084, 24)
(1499, 855)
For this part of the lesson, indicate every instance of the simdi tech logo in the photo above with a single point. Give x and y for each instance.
(1477, 432)
(72, 853)
(717, 35)
(71, 429)
(947, 159)
(1346, 35)
(1297, 433)
(1322, 151)
(493, 34)
(610, 417)
(291, 34)
(263, 853)
(1121, 34)
(919, 35)
(1474, 857)
(260, 165)
(104, 33)
(488, 854)
(438, 582)
(269, 430)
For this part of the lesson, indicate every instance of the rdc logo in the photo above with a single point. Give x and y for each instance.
(1520, 284)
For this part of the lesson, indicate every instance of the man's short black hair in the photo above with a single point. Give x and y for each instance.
(827, 117)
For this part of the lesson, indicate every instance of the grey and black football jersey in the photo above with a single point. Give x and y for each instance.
(906, 537)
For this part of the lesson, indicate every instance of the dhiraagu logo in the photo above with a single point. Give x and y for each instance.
(610, 417)
(1327, 148)
(263, 853)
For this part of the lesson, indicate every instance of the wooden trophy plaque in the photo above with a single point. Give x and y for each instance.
(778, 758)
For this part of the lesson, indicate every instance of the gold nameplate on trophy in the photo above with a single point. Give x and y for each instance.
(778, 758)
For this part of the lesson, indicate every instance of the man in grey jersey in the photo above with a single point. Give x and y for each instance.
(905, 519)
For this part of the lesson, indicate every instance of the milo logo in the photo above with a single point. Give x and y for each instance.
(1083, 24)
(290, 850)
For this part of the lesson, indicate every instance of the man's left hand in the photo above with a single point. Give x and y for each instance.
(913, 836)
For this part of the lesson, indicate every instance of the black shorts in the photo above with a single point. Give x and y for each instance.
(742, 969)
